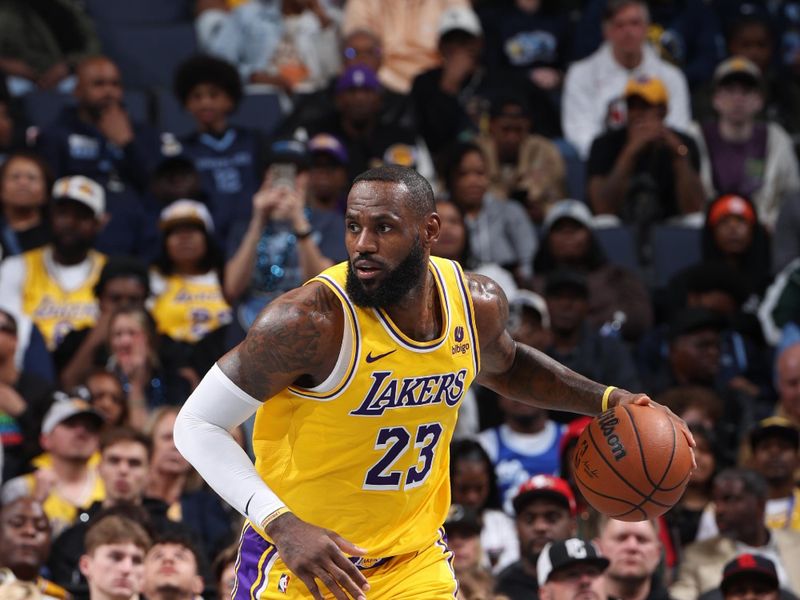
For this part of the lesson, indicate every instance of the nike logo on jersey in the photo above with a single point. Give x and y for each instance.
(372, 359)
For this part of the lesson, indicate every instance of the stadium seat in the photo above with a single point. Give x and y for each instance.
(140, 12)
(675, 247)
(149, 55)
(619, 246)
(257, 111)
(42, 107)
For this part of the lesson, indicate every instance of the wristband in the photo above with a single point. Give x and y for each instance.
(272, 516)
(301, 235)
(606, 395)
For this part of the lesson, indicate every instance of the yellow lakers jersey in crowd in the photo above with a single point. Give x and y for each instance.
(55, 310)
(366, 453)
(188, 308)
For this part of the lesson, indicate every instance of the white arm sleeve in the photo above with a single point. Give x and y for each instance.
(216, 406)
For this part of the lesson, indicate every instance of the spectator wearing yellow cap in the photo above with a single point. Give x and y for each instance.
(646, 171)
(593, 85)
(775, 443)
(741, 154)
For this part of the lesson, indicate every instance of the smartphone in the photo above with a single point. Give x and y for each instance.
(283, 175)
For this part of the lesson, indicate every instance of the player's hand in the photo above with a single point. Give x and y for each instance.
(313, 553)
(624, 397)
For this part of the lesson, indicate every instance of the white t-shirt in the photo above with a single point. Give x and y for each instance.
(499, 541)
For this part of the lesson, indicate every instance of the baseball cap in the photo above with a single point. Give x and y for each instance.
(186, 212)
(692, 319)
(774, 427)
(460, 18)
(650, 89)
(563, 278)
(572, 433)
(528, 299)
(358, 76)
(737, 68)
(731, 204)
(324, 143)
(749, 564)
(567, 209)
(565, 553)
(81, 189)
(66, 408)
(462, 518)
(547, 486)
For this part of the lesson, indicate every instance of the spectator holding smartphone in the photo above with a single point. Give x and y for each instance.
(283, 243)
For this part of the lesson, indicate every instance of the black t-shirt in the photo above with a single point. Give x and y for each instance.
(652, 173)
(515, 583)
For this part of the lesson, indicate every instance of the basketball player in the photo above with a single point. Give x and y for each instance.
(355, 379)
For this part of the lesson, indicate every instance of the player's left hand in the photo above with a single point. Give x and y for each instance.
(624, 397)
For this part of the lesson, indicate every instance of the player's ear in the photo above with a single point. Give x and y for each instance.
(433, 227)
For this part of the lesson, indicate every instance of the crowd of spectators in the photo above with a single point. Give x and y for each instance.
(626, 170)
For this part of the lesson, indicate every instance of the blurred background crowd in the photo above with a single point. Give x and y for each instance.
(626, 170)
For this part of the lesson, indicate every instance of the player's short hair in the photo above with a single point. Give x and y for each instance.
(752, 483)
(125, 434)
(419, 190)
(615, 6)
(115, 529)
(207, 69)
(118, 267)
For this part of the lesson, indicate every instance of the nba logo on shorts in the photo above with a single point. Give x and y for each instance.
(459, 333)
(283, 583)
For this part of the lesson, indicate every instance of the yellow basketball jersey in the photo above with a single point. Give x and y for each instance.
(190, 307)
(366, 453)
(57, 311)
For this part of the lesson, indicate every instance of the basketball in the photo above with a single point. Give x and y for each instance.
(632, 463)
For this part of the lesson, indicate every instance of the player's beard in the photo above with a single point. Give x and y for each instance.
(396, 284)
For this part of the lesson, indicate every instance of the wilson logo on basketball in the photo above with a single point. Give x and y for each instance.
(608, 423)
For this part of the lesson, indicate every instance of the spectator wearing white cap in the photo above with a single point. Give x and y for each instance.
(443, 95)
(572, 568)
(741, 154)
(66, 479)
(188, 302)
(617, 296)
(53, 284)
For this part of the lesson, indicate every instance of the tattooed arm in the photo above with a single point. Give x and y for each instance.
(522, 373)
(296, 339)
